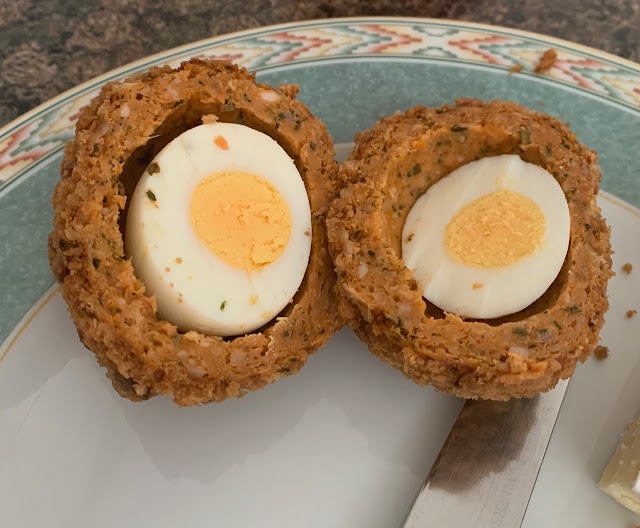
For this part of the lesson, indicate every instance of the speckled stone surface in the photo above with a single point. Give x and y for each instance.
(49, 46)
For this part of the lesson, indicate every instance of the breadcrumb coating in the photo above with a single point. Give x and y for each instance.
(391, 166)
(117, 135)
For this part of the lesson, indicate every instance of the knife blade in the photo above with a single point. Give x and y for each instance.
(487, 468)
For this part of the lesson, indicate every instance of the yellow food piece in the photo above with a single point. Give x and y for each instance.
(241, 218)
(496, 230)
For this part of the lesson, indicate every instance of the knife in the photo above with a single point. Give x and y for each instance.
(486, 469)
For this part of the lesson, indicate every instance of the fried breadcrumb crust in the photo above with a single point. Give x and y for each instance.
(391, 166)
(120, 131)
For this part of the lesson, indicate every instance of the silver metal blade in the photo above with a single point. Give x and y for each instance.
(486, 470)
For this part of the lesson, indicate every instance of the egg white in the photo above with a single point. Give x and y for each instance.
(217, 299)
(447, 282)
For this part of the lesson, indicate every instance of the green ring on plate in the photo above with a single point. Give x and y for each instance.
(351, 72)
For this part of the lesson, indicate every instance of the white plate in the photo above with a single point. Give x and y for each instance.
(345, 443)
(348, 441)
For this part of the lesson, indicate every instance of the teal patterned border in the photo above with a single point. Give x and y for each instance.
(42, 132)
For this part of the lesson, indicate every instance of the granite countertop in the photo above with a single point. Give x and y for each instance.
(47, 47)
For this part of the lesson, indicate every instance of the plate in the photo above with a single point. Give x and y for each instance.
(348, 441)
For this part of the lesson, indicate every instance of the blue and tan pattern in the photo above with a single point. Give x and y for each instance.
(44, 130)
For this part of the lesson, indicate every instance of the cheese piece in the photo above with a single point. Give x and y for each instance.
(621, 478)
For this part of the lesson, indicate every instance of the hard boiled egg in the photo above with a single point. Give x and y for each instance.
(219, 229)
(488, 239)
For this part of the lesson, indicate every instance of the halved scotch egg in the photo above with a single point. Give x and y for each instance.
(469, 248)
(189, 236)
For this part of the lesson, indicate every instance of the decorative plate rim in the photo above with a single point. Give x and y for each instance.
(22, 129)
(35, 140)
(313, 21)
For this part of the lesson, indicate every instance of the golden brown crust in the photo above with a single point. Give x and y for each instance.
(390, 167)
(115, 137)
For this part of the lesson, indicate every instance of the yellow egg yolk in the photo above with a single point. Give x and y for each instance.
(496, 230)
(241, 218)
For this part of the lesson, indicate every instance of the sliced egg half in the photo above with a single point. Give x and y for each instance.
(219, 229)
(488, 239)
